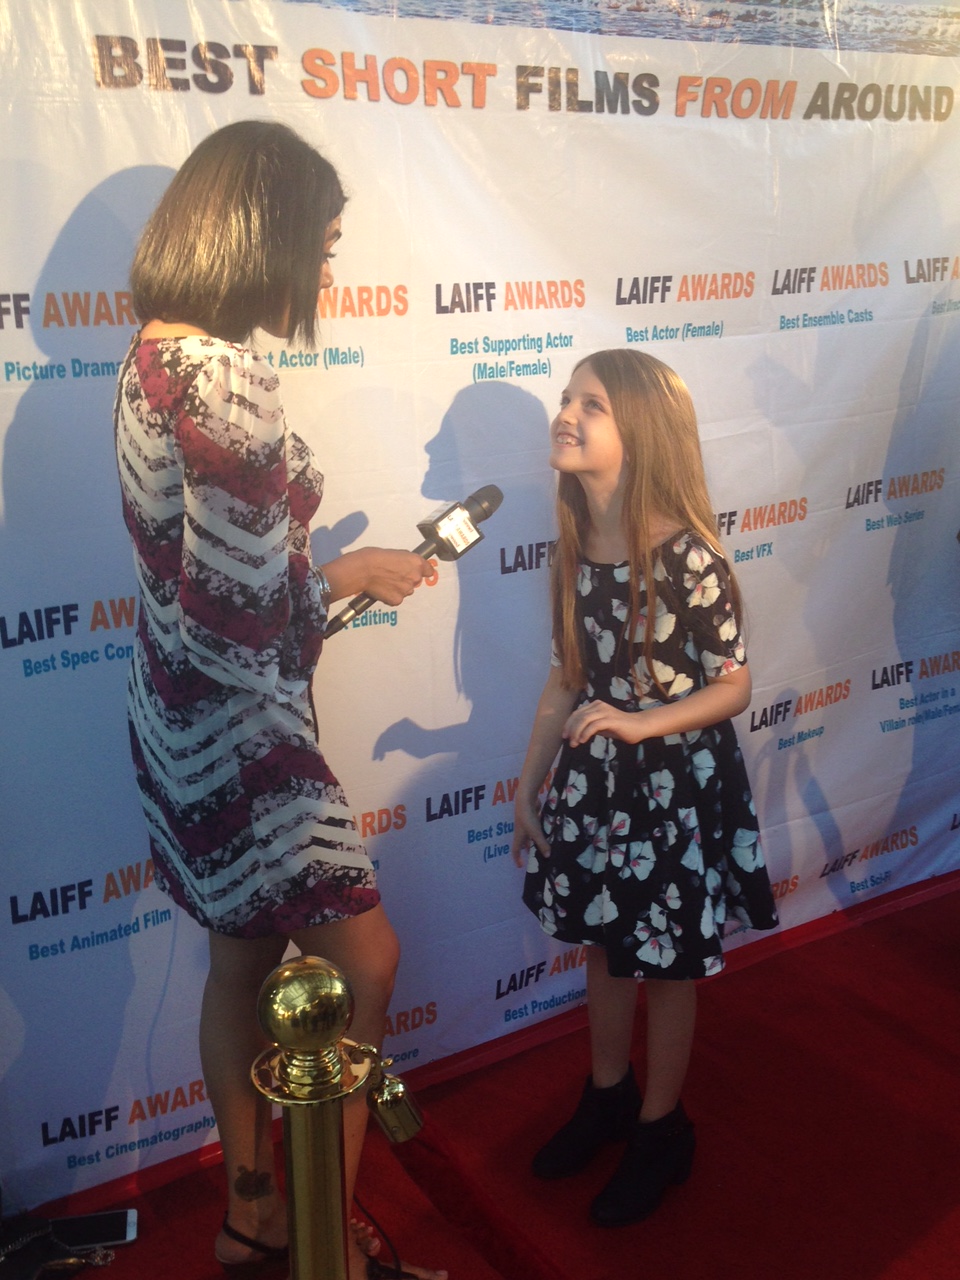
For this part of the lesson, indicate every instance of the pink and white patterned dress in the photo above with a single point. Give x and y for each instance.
(250, 831)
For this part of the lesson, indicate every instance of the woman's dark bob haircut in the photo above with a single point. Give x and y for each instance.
(236, 242)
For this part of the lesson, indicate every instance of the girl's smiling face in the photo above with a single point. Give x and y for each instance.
(584, 438)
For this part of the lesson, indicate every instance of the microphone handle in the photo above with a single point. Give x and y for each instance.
(363, 602)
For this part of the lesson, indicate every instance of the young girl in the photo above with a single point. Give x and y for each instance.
(648, 840)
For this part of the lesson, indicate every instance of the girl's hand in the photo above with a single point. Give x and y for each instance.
(721, 698)
(600, 717)
(526, 831)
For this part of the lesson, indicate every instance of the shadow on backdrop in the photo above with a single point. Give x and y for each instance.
(924, 582)
(71, 811)
(495, 433)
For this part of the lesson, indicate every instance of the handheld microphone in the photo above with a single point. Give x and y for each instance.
(447, 534)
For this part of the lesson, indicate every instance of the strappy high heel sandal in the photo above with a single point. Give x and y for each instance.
(271, 1256)
(377, 1270)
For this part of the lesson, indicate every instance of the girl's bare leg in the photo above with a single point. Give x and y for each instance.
(671, 1021)
(611, 1005)
(661, 1147)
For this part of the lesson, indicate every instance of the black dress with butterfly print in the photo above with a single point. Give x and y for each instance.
(654, 846)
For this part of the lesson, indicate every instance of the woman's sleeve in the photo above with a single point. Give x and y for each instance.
(234, 597)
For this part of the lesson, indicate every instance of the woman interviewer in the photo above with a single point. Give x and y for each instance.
(249, 829)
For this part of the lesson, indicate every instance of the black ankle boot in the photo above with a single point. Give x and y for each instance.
(602, 1115)
(658, 1155)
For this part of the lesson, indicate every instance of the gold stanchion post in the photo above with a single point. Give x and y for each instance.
(304, 1007)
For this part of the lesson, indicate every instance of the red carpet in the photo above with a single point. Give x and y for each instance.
(824, 1090)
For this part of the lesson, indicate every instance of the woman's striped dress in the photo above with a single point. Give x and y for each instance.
(250, 831)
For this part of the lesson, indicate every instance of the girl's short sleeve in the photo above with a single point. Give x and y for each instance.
(702, 583)
(234, 597)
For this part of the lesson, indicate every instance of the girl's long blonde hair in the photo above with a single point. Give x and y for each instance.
(664, 479)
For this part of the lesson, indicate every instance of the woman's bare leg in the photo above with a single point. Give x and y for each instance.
(365, 948)
(230, 1039)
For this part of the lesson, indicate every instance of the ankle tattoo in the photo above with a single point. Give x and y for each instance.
(251, 1185)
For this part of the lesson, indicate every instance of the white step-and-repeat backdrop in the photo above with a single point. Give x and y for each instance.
(766, 196)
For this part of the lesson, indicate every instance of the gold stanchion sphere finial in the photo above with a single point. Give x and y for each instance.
(305, 1005)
